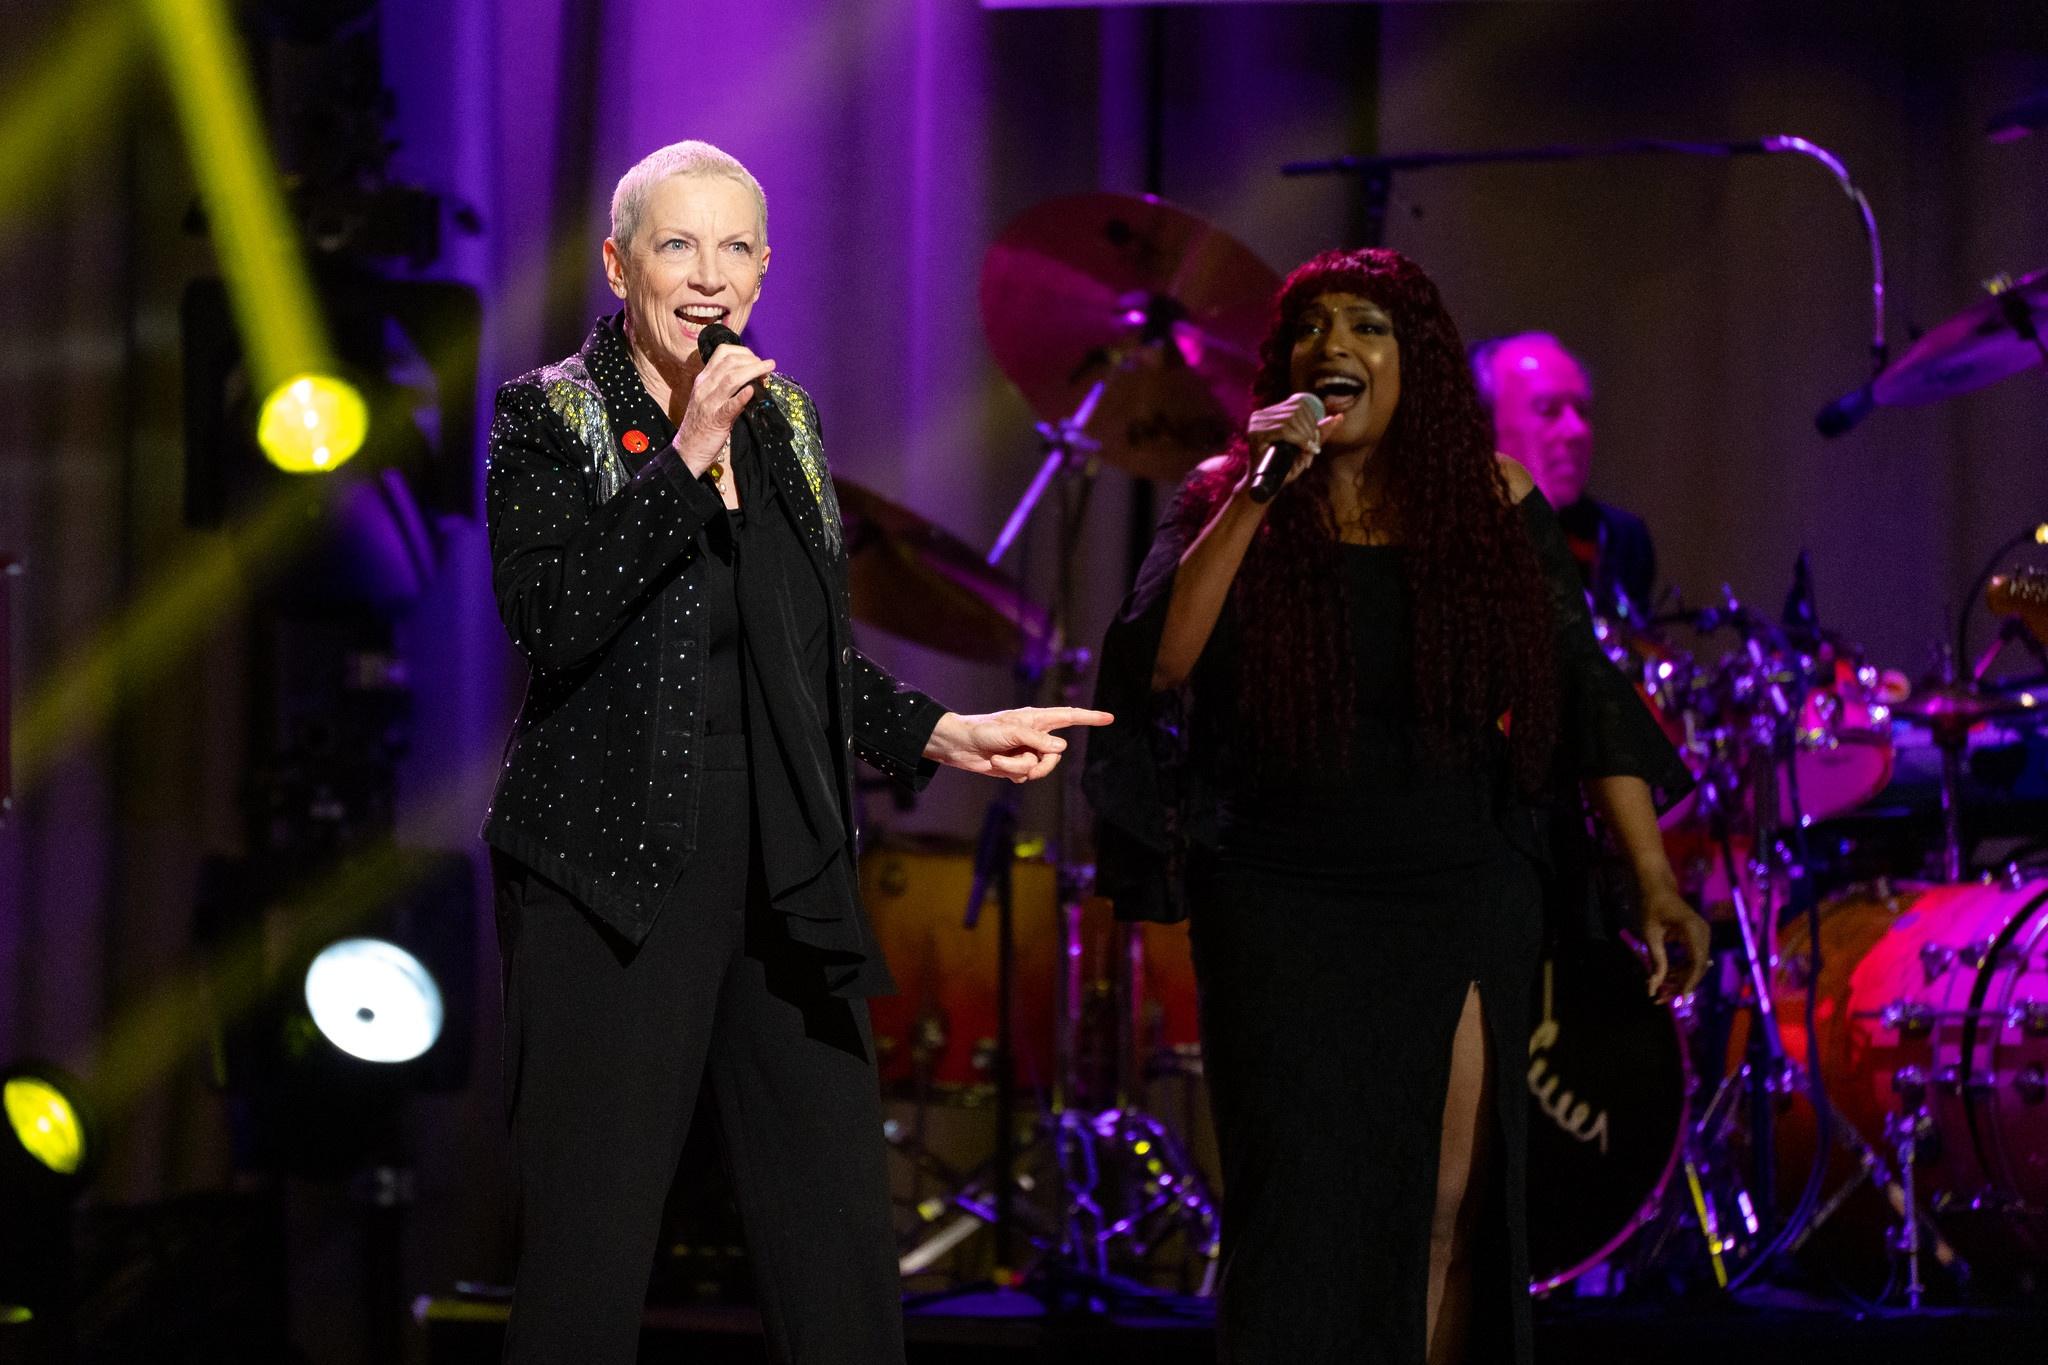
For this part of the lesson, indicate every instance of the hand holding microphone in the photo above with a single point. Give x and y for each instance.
(1285, 439)
(728, 382)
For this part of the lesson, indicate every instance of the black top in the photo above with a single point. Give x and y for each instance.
(1613, 550)
(1163, 779)
(1398, 804)
(724, 698)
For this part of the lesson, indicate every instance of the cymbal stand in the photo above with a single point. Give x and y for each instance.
(1151, 1188)
(1952, 738)
(1121, 1177)
(1753, 740)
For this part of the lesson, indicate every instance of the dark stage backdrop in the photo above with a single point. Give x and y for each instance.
(1718, 305)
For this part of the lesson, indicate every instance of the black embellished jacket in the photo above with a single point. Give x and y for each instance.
(594, 524)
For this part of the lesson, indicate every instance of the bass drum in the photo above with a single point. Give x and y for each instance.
(1933, 1005)
(936, 1037)
(1608, 1088)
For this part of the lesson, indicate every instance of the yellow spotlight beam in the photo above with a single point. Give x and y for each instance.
(253, 236)
(56, 100)
(155, 634)
(283, 337)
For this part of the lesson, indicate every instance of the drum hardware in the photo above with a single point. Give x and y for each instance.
(1783, 711)
(1907, 1131)
(1950, 1067)
(1130, 326)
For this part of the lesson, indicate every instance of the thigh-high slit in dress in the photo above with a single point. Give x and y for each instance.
(1339, 919)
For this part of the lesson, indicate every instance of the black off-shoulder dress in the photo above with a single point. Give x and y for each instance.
(1338, 918)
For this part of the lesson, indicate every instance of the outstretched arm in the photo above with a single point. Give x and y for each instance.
(1018, 744)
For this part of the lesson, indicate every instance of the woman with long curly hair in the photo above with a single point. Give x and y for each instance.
(1354, 722)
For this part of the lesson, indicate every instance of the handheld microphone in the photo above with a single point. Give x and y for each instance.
(1280, 457)
(760, 413)
(715, 335)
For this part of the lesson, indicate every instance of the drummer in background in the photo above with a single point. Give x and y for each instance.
(1542, 403)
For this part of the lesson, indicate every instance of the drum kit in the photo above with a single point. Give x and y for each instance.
(1862, 1086)
(1864, 1080)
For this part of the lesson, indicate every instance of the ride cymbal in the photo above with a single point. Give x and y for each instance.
(1164, 310)
(1993, 339)
(919, 582)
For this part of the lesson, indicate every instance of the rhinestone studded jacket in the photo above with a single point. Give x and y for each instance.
(594, 524)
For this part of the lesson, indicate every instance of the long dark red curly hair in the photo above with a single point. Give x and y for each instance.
(1483, 644)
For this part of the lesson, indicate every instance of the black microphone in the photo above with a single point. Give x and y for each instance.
(1845, 412)
(1280, 457)
(715, 335)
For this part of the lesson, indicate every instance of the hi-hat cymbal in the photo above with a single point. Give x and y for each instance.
(1145, 297)
(1993, 339)
(917, 581)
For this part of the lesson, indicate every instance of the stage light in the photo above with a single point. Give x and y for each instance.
(49, 1141)
(312, 424)
(48, 1148)
(2041, 534)
(45, 1122)
(374, 1000)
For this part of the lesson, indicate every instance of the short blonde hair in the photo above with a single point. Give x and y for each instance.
(629, 199)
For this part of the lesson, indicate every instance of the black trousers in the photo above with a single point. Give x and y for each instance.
(606, 1048)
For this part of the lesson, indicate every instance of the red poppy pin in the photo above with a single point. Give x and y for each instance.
(634, 440)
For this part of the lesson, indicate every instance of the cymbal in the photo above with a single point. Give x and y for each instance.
(921, 583)
(1955, 706)
(1990, 340)
(1145, 297)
